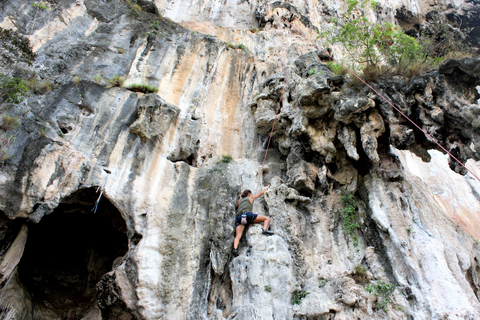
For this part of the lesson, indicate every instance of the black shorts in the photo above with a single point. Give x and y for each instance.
(250, 218)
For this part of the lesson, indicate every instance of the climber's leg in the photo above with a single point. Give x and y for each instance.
(266, 222)
(238, 235)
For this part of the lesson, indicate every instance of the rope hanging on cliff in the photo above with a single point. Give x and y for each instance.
(94, 209)
(276, 113)
(386, 100)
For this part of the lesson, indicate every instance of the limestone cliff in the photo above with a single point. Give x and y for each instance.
(117, 204)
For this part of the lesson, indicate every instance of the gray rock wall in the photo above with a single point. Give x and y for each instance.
(176, 196)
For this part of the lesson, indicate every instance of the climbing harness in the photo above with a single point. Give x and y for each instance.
(276, 113)
(386, 100)
(423, 228)
(94, 209)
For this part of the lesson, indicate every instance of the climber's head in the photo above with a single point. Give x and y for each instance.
(246, 193)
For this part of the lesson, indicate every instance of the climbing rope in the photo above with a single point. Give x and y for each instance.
(94, 209)
(422, 227)
(276, 113)
(386, 100)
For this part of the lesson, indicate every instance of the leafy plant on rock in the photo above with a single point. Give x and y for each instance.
(13, 90)
(145, 88)
(367, 44)
(349, 217)
(226, 158)
(383, 291)
(116, 81)
(14, 48)
(298, 295)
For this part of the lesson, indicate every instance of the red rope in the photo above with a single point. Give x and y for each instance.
(391, 104)
(276, 113)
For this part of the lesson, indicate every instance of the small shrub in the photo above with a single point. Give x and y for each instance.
(323, 282)
(268, 288)
(349, 217)
(360, 274)
(40, 5)
(383, 291)
(98, 79)
(226, 158)
(13, 90)
(312, 71)
(39, 87)
(76, 80)
(135, 9)
(9, 123)
(121, 50)
(60, 134)
(298, 295)
(145, 88)
(255, 30)
(242, 46)
(336, 68)
(15, 48)
(214, 169)
(155, 24)
(116, 81)
(237, 46)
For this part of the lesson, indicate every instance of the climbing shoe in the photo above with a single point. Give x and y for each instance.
(267, 233)
(235, 252)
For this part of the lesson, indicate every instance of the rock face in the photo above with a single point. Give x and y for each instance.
(117, 204)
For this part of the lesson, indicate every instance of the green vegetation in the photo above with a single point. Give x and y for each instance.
(15, 48)
(237, 46)
(312, 71)
(268, 288)
(383, 291)
(40, 5)
(39, 87)
(134, 8)
(7, 138)
(155, 24)
(298, 295)
(349, 217)
(116, 81)
(98, 79)
(9, 123)
(323, 282)
(76, 80)
(226, 158)
(145, 88)
(255, 30)
(214, 169)
(13, 90)
(336, 68)
(60, 134)
(121, 50)
(360, 274)
(384, 49)
(369, 44)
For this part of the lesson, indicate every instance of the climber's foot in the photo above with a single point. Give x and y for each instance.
(235, 252)
(267, 233)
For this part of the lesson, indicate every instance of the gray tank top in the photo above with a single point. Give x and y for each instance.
(244, 205)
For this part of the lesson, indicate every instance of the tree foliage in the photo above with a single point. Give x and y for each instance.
(14, 48)
(370, 44)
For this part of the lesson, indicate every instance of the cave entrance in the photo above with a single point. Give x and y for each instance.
(68, 251)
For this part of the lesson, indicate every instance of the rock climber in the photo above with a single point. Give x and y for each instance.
(245, 216)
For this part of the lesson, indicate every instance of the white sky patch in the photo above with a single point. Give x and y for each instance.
(478, 89)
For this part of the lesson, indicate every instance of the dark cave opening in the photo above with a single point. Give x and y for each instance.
(68, 251)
